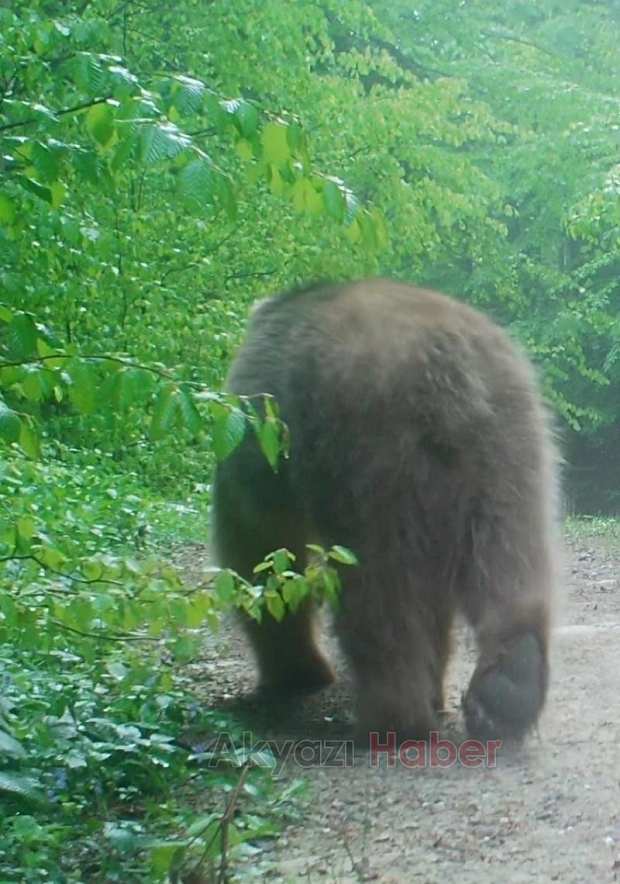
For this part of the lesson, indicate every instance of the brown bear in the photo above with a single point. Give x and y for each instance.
(418, 440)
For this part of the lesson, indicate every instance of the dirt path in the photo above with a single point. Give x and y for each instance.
(550, 812)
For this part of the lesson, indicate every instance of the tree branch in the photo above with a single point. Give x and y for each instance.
(60, 113)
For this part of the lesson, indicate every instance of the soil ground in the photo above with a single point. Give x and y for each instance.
(549, 811)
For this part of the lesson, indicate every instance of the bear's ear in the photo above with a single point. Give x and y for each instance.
(419, 441)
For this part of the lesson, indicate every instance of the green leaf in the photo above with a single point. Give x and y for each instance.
(37, 384)
(117, 669)
(275, 144)
(20, 786)
(369, 232)
(275, 605)
(352, 206)
(187, 96)
(52, 558)
(269, 441)
(186, 647)
(125, 385)
(246, 117)
(82, 386)
(381, 231)
(353, 231)
(45, 161)
(58, 192)
(245, 150)
(187, 412)
(53, 358)
(7, 210)
(229, 428)
(331, 586)
(217, 113)
(282, 560)
(123, 79)
(296, 138)
(10, 424)
(334, 201)
(9, 746)
(165, 855)
(306, 198)
(225, 195)
(197, 182)
(100, 123)
(87, 72)
(21, 337)
(29, 442)
(343, 555)
(294, 592)
(164, 412)
(162, 141)
(26, 527)
(43, 193)
(127, 388)
(225, 586)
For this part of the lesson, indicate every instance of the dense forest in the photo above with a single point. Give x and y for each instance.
(162, 167)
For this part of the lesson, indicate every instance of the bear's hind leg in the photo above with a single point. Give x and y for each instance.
(508, 600)
(397, 645)
(244, 533)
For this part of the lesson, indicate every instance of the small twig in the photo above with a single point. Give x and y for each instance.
(128, 363)
(32, 558)
(107, 637)
(222, 829)
(226, 822)
(500, 35)
(257, 273)
(60, 113)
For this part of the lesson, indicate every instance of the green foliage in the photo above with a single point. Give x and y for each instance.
(101, 744)
(161, 168)
(284, 589)
(95, 631)
(169, 157)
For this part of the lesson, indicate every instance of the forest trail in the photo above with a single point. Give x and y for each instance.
(547, 812)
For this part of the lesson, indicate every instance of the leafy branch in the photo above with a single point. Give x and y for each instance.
(84, 105)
